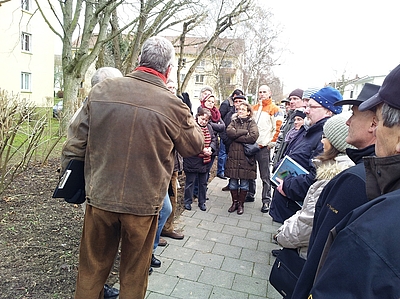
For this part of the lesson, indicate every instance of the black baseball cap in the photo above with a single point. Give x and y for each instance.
(366, 92)
(388, 93)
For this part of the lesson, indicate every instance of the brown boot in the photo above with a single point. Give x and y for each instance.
(234, 206)
(242, 197)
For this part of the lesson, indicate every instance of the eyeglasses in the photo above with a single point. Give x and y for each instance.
(238, 101)
(313, 107)
(263, 91)
(323, 136)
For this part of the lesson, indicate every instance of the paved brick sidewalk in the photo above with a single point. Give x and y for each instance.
(223, 255)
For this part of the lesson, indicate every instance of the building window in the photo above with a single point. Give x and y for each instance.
(182, 77)
(202, 64)
(26, 81)
(26, 42)
(199, 79)
(26, 5)
(227, 80)
(226, 63)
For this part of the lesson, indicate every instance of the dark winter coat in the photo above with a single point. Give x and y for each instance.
(361, 258)
(303, 149)
(343, 193)
(238, 166)
(227, 109)
(281, 145)
(195, 163)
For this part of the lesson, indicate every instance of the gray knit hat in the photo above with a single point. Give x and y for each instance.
(336, 130)
(310, 91)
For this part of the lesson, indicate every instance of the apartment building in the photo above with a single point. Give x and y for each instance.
(26, 53)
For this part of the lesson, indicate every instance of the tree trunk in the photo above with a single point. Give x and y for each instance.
(71, 88)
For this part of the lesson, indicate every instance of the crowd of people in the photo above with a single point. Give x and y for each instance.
(339, 215)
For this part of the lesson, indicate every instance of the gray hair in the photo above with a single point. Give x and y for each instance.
(104, 73)
(206, 87)
(390, 116)
(157, 53)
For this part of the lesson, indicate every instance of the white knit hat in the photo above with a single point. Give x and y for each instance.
(336, 130)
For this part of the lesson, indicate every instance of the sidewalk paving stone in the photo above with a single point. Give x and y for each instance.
(223, 255)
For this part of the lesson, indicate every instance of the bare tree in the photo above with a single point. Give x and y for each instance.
(153, 16)
(223, 22)
(76, 60)
(260, 55)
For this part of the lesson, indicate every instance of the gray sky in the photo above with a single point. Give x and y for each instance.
(327, 38)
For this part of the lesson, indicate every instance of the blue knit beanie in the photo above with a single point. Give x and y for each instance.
(327, 96)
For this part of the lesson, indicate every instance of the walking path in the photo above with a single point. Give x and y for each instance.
(223, 255)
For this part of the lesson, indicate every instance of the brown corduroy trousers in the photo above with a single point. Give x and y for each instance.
(169, 224)
(101, 235)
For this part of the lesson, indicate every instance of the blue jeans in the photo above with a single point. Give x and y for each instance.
(162, 218)
(222, 157)
(235, 184)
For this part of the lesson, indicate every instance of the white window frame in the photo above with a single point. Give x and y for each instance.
(26, 81)
(26, 5)
(26, 42)
(199, 79)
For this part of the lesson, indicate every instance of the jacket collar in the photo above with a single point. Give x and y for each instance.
(147, 77)
(382, 175)
(356, 155)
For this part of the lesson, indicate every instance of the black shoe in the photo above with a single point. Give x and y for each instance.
(221, 176)
(155, 262)
(110, 292)
(226, 188)
(265, 208)
(150, 270)
(188, 207)
(202, 206)
(276, 252)
(249, 198)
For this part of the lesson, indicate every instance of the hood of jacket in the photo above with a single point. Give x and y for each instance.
(329, 169)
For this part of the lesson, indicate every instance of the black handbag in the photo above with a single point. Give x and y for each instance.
(286, 271)
(250, 149)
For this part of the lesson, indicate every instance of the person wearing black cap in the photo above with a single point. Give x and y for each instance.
(296, 103)
(361, 258)
(345, 191)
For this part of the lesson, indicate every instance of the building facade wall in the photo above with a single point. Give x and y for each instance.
(37, 63)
